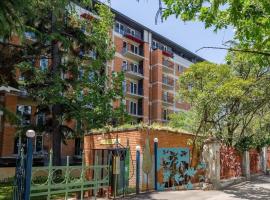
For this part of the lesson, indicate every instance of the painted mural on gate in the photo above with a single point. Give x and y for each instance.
(174, 171)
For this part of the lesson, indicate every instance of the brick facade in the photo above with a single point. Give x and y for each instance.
(166, 139)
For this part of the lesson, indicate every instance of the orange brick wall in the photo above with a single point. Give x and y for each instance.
(254, 156)
(233, 158)
(166, 139)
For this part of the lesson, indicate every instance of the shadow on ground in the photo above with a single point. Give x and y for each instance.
(258, 190)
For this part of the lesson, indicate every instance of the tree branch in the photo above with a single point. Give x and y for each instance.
(239, 50)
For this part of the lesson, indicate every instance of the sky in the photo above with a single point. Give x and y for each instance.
(190, 35)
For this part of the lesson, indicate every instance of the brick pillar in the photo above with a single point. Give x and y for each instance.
(156, 82)
(146, 74)
(246, 164)
(211, 156)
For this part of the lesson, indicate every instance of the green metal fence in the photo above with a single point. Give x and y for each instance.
(67, 180)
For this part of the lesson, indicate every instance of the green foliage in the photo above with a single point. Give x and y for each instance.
(250, 18)
(227, 99)
(77, 85)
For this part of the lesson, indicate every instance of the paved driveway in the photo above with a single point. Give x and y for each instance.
(256, 189)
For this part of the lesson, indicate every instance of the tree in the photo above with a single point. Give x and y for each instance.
(227, 98)
(249, 18)
(76, 85)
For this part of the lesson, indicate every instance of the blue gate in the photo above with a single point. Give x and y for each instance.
(174, 171)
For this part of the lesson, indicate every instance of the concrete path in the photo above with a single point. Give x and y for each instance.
(256, 189)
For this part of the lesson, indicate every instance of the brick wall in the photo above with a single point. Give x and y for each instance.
(230, 162)
(255, 166)
(167, 139)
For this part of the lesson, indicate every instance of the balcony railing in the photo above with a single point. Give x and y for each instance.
(132, 70)
(167, 53)
(167, 81)
(133, 54)
(168, 64)
(167, 98)
(138, 92)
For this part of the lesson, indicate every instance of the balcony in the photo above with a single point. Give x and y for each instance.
(134, 36)
(167, 82)
(167, 99)
(167, 53)
(137, 93)
(135, 109)
(133, 53)
(133, 71)
(168, 66)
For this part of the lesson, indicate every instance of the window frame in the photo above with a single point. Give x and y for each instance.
(41, 67)
(42, 142)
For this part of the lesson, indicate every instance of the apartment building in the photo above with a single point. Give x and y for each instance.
(152, 65)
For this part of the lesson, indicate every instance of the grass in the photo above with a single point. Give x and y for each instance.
(5, 192)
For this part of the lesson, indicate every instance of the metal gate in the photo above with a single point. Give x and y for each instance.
(118, 182)
(174, 171)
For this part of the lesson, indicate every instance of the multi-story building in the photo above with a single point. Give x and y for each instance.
(151, 63)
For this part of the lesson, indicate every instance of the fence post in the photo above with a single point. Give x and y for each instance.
(67, 178)
(264, 159)
(50, 174)
(211, 156)
(29, 158)
(155, 156)
(83, 175)
(246, 164)
(138, 169)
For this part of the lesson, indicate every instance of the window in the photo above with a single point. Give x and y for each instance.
(134, 49)
(39, 143)
(165, 114)
(91, 76)
(119, 28)
(133, 88)
(124, 86)
(165, 96)
(80, 73)
(133, 108)
(25, 114)
(180, 68)
(44, 62)
(124, 65)
(134, 67)
(78, 147)
(124, 45)
(131, 31)
(154, 44)
(40, 119)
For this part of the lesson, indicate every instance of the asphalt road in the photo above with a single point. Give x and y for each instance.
(256, 189)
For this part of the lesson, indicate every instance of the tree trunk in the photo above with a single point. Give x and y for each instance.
(56, 143)
(56, 132)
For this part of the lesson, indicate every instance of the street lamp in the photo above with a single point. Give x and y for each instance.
(29, 161)
(30, 133)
